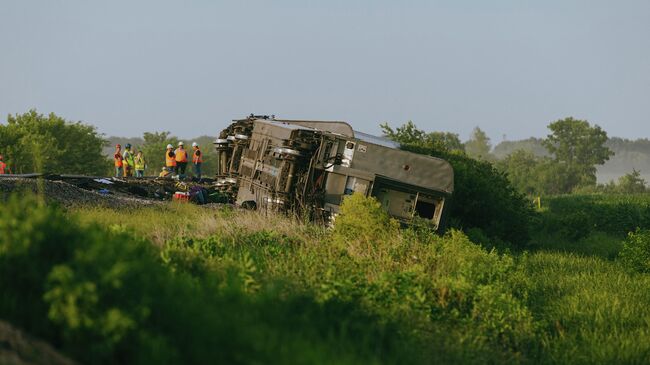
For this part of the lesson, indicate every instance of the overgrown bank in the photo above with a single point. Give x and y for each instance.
(237, 287)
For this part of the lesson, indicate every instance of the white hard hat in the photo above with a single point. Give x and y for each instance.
(180, 143)
(194, 144)
(170, 146)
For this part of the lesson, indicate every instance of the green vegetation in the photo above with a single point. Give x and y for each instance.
(409, 134)
(580, 215)
(483, 199)
(33, 142)
(629, 155)
(589, 224)
(635, 254)
(478, 146)
(178, 283)
(186, 284)
(575, 148)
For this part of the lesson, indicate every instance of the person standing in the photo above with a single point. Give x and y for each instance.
(128, 161)
(119, 160)
(170, 159)
(3, 166)
(181, 160)
(140, 164)
(197, 160)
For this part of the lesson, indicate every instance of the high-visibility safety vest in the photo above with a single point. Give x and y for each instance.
(139, 163)
(118, 159)
(128, 158)
(169, 161)
(3, 166)
(197, 157)
(181, 155)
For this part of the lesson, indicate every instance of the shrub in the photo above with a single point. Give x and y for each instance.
(573, 225)
(484, 198)
(635, 254)
(502, 318)
(362, 226)
(106, 296)
(33, 239)
(576, 216)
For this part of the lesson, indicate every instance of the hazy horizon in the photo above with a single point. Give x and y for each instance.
(510, 67)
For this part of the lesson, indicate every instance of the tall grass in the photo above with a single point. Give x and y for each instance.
(243, 287)
(163, 223)
(590, 310)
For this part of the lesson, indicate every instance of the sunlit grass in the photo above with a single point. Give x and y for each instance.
(563, 302)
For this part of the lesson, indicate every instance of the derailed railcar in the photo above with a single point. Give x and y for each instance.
(308, 167)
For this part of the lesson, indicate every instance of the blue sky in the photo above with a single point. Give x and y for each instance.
(510, 67)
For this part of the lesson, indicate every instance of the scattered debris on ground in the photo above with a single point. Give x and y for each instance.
(110, 192)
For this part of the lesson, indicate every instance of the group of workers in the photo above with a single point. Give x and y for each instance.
(127, 163)
(176, 160)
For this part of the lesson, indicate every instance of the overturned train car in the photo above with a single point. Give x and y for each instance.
(308, 167)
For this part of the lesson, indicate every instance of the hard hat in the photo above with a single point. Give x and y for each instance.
(118, 146)
(180, 144)
(128, 145)
(195, 144)
(170, 146)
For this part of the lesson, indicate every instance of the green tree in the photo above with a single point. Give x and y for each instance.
(409, 134)
(631, 183)
(38, 143)
(479, 146)
(578, 148)
(524, 170)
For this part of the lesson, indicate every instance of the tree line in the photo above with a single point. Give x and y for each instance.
(564, 162)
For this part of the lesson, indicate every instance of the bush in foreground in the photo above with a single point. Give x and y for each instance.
(635, 254)
(268, 290)
(107, 297)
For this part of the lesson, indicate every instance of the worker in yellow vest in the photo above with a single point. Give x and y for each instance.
(181, 160)
(140, 164)
(128, 161)
(170, 159)
(197, 160)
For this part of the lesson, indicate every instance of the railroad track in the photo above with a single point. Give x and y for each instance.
(152, 188)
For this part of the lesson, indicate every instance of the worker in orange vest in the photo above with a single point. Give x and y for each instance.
(197, 160)
(3, 166)
(170, 159)
(119, 160)
(181, 160)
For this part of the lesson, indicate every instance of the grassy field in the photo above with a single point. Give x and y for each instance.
(186, 284)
